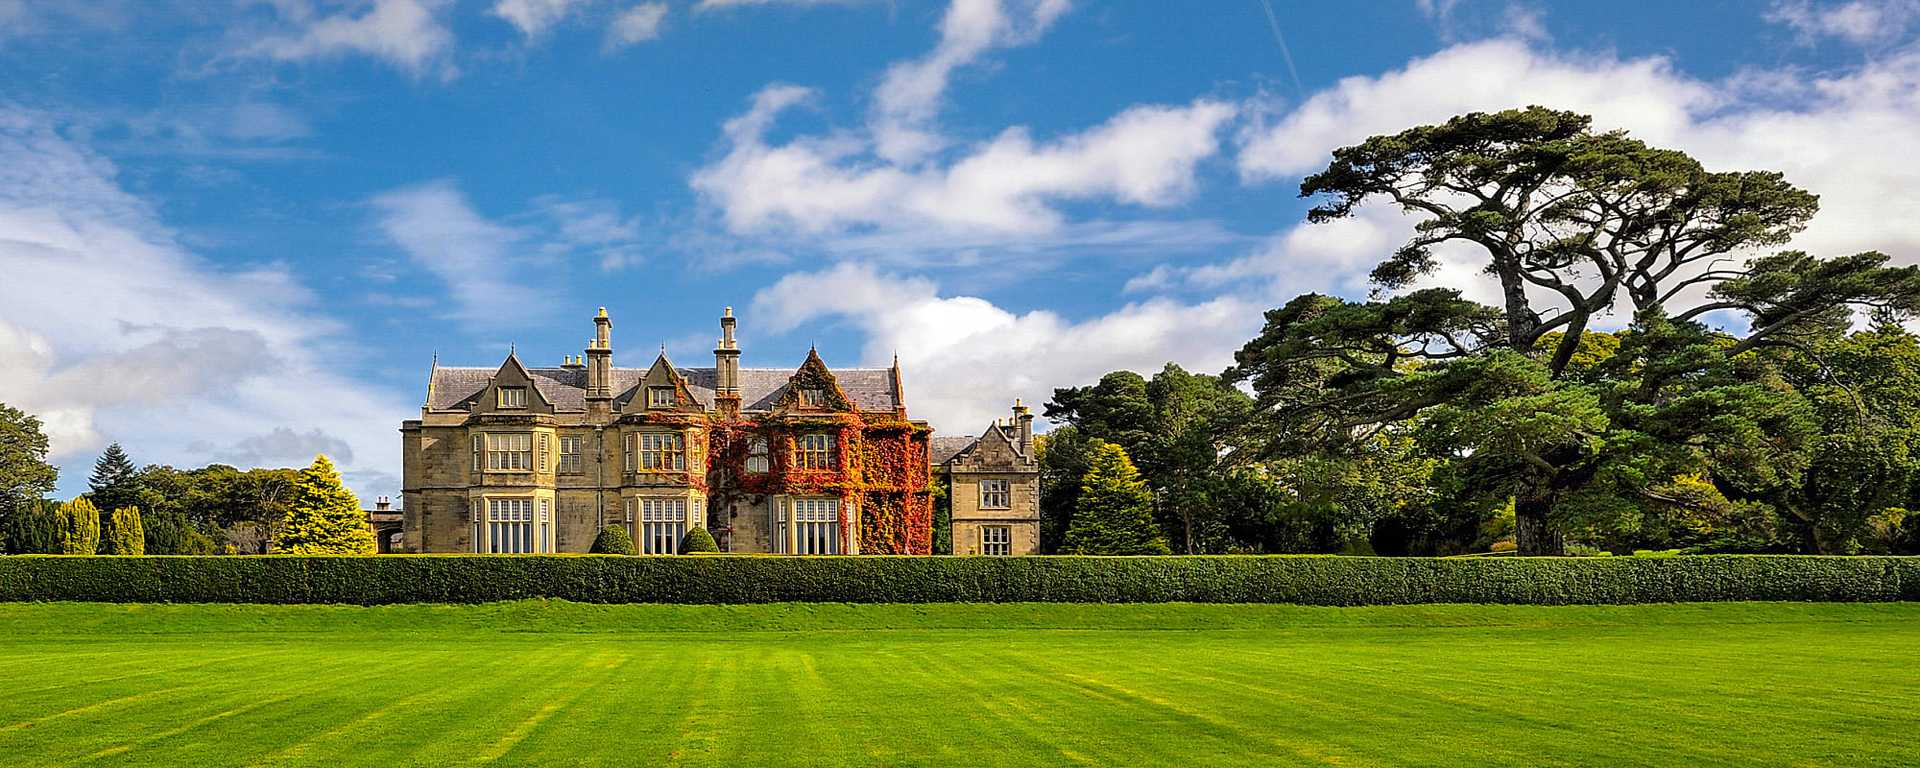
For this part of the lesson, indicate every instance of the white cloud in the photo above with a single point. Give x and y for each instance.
(111, 330)
(910, 94)
(1145, 156)
(636, 25)
(405, 33)
(1860, 22)
(964, 359)
(438, 229)
(1848, 138)
(534, 17)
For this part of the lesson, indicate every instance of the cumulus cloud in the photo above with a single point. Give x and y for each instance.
(1848, 138)
(111, 329)
(1145, 156)
(965, 359)
(406, 33)
(636, 25)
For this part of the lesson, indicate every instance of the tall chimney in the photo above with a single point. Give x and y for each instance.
(726, 368)
(600, 361)
(1023, 417)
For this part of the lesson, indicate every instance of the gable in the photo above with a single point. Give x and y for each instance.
(511, 375)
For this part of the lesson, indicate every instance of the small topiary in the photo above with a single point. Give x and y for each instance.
(613, 540)
(698, 540)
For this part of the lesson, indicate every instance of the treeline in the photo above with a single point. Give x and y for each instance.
(1744, 406)
(160, 510)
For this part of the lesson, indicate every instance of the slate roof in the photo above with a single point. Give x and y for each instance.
(942, 448)
(870, 389)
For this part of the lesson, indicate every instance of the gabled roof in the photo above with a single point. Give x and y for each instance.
(870, 389)
(942, 448)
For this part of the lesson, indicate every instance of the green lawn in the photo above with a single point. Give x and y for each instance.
(567, 684)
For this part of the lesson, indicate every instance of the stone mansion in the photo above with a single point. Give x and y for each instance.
(806, 461)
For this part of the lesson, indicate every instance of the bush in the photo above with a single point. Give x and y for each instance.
(698, 540)
(613, 540)
(1311, 580)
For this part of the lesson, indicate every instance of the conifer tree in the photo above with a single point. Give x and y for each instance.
(123, 534)
(324, 518)
(32, 527)
(115, 482)
(79, 527)
(1114, 515)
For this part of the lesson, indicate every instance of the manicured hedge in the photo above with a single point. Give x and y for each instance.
(1308, 580)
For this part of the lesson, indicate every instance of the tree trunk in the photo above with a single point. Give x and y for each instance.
(1532, 535)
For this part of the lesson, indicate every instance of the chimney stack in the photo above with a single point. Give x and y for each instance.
(1023, 418)
(600, 365)
(726, 368)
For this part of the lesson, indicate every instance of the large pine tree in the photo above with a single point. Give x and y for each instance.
(324, 518)
(115, 481)
(1114, 515)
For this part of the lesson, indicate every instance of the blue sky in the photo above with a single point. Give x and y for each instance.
(239, 231)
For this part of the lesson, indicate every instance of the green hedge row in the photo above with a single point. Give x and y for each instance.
(1311, 580)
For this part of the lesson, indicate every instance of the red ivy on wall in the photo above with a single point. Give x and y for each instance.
(880, 468)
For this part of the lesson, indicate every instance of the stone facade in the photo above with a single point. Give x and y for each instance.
(994, 481)
(801, 461)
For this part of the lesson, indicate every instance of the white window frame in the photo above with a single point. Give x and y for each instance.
(511, 397)
(658, 523)
(659, 397)
(571, 448)
(509, 451)
(807, 526)
(813, 397)
(996, 493)
(510, 526)
(996, 540)
(813, 450)
(759, 457)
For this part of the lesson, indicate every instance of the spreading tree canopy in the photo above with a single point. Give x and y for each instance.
(1572, 224)
(323, 517)
(25, 474)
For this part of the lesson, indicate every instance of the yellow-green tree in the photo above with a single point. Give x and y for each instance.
(1114, 515)
(324, 518)
(124, 534)
(79, 527)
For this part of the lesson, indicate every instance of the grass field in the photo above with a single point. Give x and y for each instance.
(1019, 685)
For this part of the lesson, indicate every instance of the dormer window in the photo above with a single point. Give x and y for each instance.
(659, 397)
(813, 398)
(513, 397)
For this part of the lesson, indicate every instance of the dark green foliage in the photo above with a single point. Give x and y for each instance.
(245, 509)
(33, 527)
(123, 533)
(115, 483)
(941, 489)
(1115, 512)
(368, 580)
(24, 471)
(613, 540)
(698, 540)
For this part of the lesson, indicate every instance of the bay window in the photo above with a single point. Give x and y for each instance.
(813, 451)
(807, 526)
